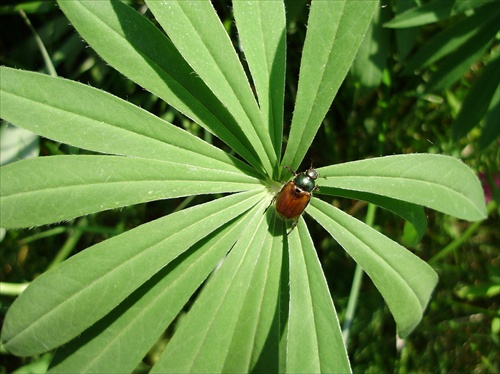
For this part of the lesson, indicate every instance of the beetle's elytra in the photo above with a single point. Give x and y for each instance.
(295, 195)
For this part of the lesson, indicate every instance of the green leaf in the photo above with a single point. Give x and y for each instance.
(233, 327)
(451, 38)
(85, 117)
(432, 12)
(37, 7)
(428, 13)
(405, 281)
(457, 63)
(405, 38)
(262, 31)
(146, 313)
(414, 214)
(418, 16)
(198, 34)
(314, 343)
(117, 33)
(80, 291)
(478, 99)
(370, 62)
(439, 182)
(491, 129)
(17, 144)
(329, 50)
(51, 189)
(464, 5)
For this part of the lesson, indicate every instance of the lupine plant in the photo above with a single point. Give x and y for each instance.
(261, 301)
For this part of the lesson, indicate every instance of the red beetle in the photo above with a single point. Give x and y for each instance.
(295, 195)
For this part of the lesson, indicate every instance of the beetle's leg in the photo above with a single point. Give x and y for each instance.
(293, 226)
(271, 203)
(290, 169)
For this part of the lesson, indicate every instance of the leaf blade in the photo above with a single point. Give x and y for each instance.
(477, 101)
(404, 280)
(147, 312)
(115, 30)
(439, 182)
(412, 213)
(314, 343)
(197, 32)
(51, 189)
(218, 322)
(85, 117)
(262, 31)
(329, 50)
(87, 293)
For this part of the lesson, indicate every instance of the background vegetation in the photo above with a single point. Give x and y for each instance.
(381, 109)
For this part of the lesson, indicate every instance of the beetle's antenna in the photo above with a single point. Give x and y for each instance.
(290, 169)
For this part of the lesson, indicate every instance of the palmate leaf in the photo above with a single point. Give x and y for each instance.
(130, 330)
(115, 30)
(88, 118)
(267, 307)
(83, 289)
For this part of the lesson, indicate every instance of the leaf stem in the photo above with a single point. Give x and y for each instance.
(46, 57)
(455, 244)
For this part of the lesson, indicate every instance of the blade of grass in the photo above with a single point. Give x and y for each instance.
(46, 57)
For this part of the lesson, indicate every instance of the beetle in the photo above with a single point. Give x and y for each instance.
(295, 195)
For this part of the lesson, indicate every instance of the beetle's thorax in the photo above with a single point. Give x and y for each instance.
(305, 181)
